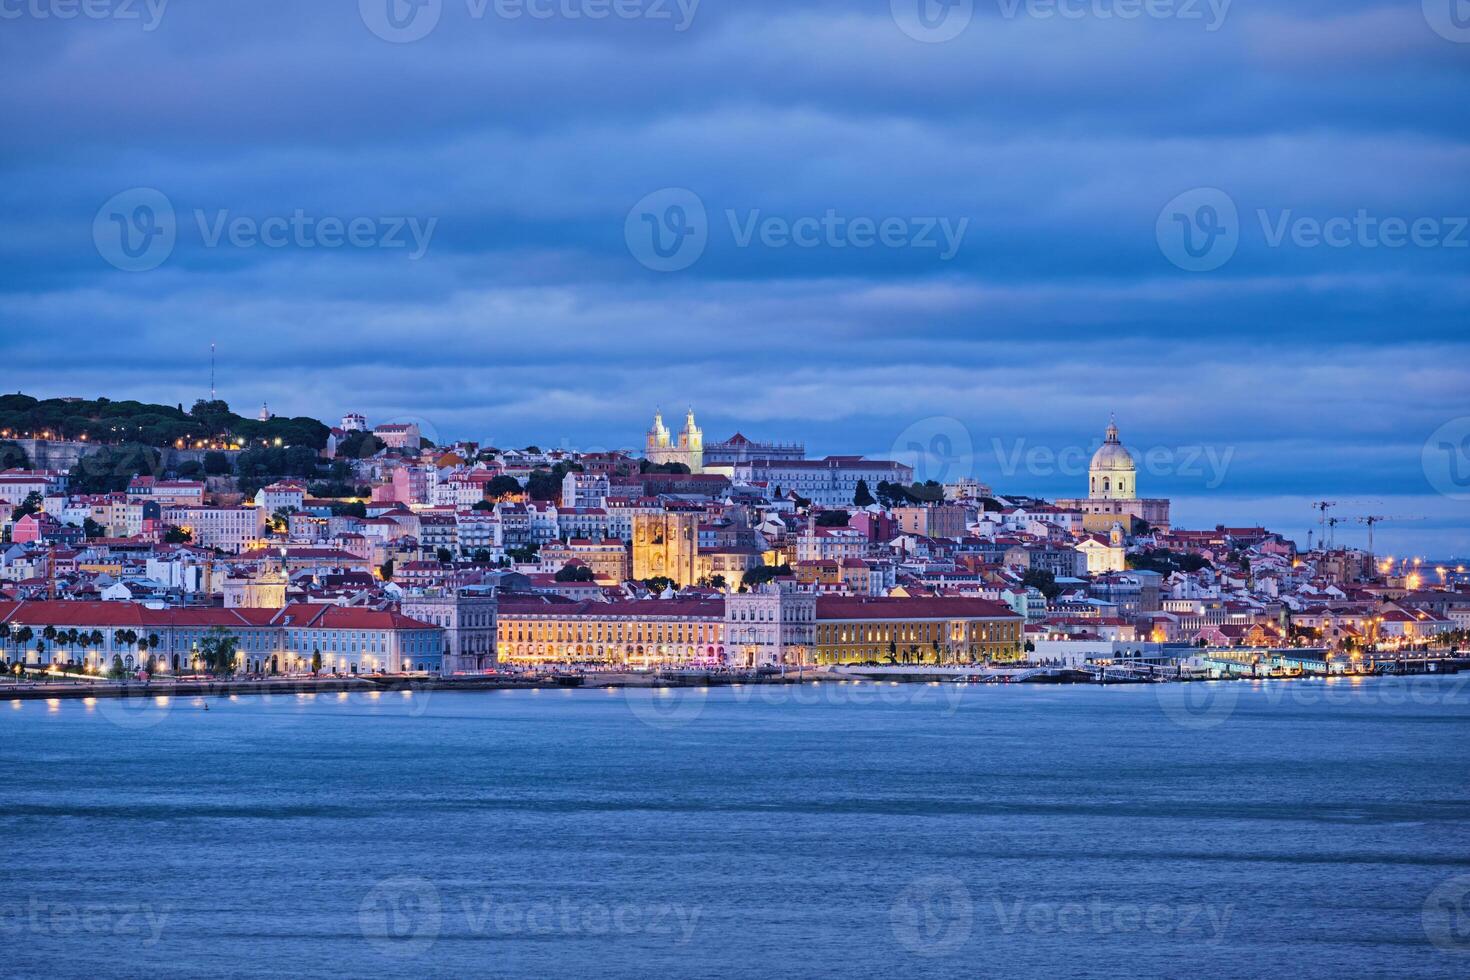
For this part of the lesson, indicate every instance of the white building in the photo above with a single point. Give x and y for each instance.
(770, 626)
(232, 529)
(281, 496)
(584, 489)
(830, 482)
(468, 618)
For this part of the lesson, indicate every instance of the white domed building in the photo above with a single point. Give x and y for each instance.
(1112, 475)
(1112, 492)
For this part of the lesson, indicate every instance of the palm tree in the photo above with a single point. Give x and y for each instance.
(23, 636)
(5, 639)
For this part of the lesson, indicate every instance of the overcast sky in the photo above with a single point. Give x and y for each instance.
(978, 231)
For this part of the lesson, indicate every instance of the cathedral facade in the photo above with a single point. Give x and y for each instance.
(666, 545)
(1112, 492)
(660, 446)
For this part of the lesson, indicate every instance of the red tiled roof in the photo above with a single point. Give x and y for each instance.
(867, 607)
(629, 609)
(118, 615)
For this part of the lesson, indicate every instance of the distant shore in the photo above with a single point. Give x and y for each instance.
(50, 690)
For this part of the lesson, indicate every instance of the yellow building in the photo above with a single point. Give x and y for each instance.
(638, 633)
(666, 545)
(660, 447)
(1112, 491)
(945, 630)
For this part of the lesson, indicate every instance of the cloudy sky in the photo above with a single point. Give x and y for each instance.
(963, 233)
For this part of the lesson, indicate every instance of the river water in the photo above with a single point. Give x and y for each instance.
(1319, 827)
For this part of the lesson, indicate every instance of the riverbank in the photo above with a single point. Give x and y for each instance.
(58, 689)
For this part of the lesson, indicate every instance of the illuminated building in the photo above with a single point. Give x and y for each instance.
(667, 545)
(761, 628)
(1112, 491)
(660, 447)
(643, 633)
(855, 629)
(349, 640)
(468, 617)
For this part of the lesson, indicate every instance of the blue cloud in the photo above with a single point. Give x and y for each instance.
(1055, 142)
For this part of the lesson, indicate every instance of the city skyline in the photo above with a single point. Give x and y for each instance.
(1029, 286)
(1196, 476)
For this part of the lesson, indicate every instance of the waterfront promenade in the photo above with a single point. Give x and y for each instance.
(52, 687)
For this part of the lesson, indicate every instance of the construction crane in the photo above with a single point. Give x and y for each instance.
(1372, 519)
(1332, 523)
(1322, 507)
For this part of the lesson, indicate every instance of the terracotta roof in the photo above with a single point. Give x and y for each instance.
(628, 609)
(866, 607)
(118, 615)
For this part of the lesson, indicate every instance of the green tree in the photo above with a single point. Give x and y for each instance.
(316, 661)
(524, 554)
(21, 638)
(31, 505)
(444, 555)
(217, 651)
(862, 496)
(574, 573)
(12, 457)
(502, 486)
(1042, 581)
(217, 463)
(177, 535)
(111, 468)
(385, 570)
(763, 574)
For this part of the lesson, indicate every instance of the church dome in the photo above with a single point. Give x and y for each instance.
(1112, 455)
